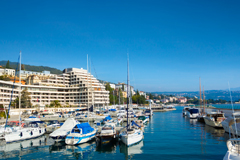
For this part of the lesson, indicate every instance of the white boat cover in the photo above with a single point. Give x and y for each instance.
(68, 125)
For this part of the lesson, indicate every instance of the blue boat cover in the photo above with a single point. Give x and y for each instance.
(193, 110)
(112, 110)
(32, 117)
(86, 128)
(107, 118)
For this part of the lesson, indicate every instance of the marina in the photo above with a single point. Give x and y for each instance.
(200, 141)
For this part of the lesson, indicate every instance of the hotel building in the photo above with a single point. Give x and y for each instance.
(73, 87)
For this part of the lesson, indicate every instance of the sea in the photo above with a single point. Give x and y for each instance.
(168, 136)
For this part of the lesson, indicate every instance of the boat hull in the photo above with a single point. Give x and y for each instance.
(212, 123)
(24, 134)
(130, 139)
(76, 138)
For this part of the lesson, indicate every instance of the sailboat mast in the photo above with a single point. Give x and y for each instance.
(127, 90)
(200, 98)
(20, 85)
(87, 90)
(203, 101)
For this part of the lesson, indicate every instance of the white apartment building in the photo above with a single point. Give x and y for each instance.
(6, 71)
(123, 87)
(73, 87)
(113, 86)
(25, 74)
(141, 93)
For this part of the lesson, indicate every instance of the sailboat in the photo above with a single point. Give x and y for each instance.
(83, 132)
(31, 129)
(233, 144)
(131, 134)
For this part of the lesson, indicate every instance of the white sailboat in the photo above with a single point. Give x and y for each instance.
(233, 144)
(132, 134)
(30, 130)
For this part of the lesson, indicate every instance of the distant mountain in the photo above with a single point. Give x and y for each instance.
(209, 94)
(13, 65)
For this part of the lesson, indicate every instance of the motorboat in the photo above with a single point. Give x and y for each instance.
(107, 134)
(122, 113)
(61, 133)
(144, 119)
(192, 113)
(107, 119)
(29, 131)
(52, 126)
(214, 119)
(81, 133)
(148, 112)
(113, 112)
(184, 111)
(32, 119)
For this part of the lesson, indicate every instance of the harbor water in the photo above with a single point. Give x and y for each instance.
(168, 136)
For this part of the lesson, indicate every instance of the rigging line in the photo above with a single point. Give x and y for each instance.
(12, 93)
(233, 109)
(98, 79)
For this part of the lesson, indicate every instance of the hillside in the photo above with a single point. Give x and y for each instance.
(209, 94)
(32, 68)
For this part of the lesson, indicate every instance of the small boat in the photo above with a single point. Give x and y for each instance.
(81, 133)
(214, 119)
(148, 112)
(184, 111)
(144, 119)
(192, 113)
(32, 119)
(107, 119)
(113, 112)
(29, 131)
(52, 126)
(61, 133)
(122, 113)
(107, 134)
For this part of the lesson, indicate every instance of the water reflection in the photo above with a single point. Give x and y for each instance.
(131, 150)
(106, 148)
(21, 148)
(216, 133)
(82, 151)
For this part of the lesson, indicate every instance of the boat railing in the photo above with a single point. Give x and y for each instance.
(234, 145)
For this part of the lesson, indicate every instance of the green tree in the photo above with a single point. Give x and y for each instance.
(55, 104)
(150, 96)
(8, 64)
(25, 99)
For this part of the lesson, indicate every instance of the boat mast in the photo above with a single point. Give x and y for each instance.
(200, 98)
(87, 90)
(203, 101)
(20, 85)
(127, 90)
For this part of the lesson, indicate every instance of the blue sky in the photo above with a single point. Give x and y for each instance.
(170, 43)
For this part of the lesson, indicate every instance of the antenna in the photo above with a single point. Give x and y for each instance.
(233, 109)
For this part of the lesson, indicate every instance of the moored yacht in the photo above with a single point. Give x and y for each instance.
(81, 133)
(184, 111)
(192, 113)
(61, 133)
(214, 119)
(107, 134)
(29, 131)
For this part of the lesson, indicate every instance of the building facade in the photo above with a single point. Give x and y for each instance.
(6, 71)
(75, 87)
